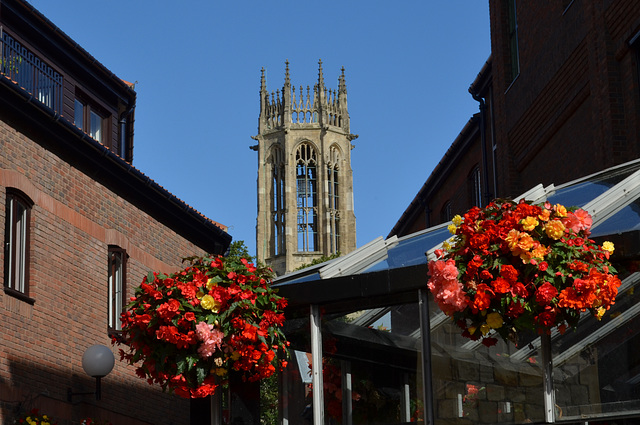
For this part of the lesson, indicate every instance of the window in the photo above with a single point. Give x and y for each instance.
(117, 286)
(334, 198)
(475, 187)
(307, 202)
(88, 119)
(278, 210)
(16, 254)
(445, 213)
(513, 59)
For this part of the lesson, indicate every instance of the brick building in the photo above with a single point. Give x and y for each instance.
(81, 226)
(559, 99)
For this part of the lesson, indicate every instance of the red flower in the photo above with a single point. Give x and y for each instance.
(509, 273)
(546, 293)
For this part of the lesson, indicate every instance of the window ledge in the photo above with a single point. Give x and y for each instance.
(19, 295)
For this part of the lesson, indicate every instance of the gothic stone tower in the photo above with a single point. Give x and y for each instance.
(305, 182)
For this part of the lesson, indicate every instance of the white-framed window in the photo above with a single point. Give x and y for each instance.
(17, 230)
(117, 278)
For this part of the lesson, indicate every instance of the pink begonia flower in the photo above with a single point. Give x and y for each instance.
(211, 340)
(446, 288)
(577, 221)
(202, 330)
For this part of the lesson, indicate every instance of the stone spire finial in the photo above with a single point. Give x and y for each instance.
(320, 76)
(263, 81)
(287, 80)
(342, 84)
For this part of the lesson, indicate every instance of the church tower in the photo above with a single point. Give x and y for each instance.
(305, 182)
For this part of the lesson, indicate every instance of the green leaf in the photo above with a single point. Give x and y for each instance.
(201, 373)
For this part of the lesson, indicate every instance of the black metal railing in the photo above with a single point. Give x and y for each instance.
(30, 72)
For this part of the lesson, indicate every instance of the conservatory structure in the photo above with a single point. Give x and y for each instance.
(364, 328)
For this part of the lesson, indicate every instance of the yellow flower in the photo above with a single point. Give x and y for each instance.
(561, 211)
(452, 228)
(457, 220)
(221, 371)
(211, 284)
(494, 320)
(554, 229)
(484, 328)
(446, 245)
(608, 246)
(208, 302)
(235, 356)
(529, 223)
(199, 294)
(600, 312)
(472, 330)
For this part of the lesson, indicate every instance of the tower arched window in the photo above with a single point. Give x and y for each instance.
(307, 198)
(333, 182)
(278, 205)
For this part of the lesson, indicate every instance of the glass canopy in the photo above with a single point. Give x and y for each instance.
(365, 330)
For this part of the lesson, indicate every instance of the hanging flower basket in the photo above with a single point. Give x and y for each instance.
(187, 331)
(516, 266)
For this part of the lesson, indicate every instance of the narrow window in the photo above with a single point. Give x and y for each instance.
(334, 200)
(116, 286)
(78, 114)
(445, 212)
(306, 181)
(512, 39)
(475, 187)
(278, 209)
(16, 257)
(95, 129)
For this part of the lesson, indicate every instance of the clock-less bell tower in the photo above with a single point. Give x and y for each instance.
(305, 181)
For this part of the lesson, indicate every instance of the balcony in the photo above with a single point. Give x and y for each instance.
(31, 73)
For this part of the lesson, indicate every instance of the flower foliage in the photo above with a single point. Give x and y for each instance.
(516, 266)
(187, 331)
(35, 418)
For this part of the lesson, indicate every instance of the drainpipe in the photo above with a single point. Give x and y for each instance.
(483, 144)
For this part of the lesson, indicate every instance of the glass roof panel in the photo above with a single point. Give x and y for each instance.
(578, 193)
(410, 251)
(625, 220)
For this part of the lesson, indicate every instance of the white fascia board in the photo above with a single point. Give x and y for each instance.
(614, 199)
(362, 256)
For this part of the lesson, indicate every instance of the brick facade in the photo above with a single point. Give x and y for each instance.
(85, 199)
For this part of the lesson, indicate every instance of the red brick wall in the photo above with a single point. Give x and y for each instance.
(573, 109)
(74, 219)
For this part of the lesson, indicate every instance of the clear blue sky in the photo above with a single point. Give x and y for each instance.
(197, 65)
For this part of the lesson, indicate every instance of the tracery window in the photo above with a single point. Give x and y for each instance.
(333, 167)
(278, 205)
(307, 198)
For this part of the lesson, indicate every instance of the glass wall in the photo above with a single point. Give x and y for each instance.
(371, 368)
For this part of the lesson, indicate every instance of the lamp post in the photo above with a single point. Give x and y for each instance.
(97, 362)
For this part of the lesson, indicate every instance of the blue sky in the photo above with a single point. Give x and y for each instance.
(196, 64)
